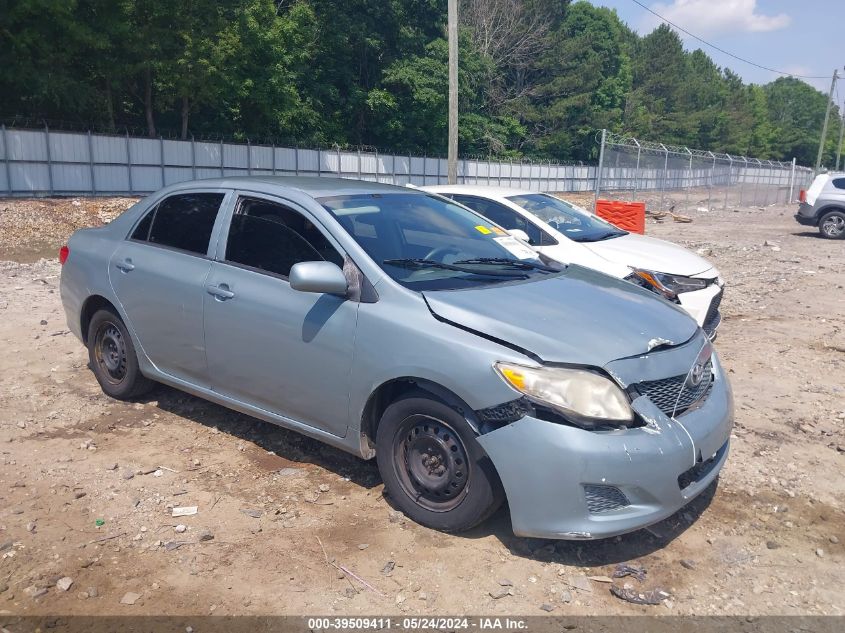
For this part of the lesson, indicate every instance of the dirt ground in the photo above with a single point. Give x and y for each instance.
(87, 484)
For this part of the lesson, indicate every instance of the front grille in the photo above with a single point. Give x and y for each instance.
(673, 395)
(713, 317)
(604, 498)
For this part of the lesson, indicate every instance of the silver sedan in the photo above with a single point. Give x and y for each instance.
(396, 324)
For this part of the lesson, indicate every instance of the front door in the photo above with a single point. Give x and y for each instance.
(158, 276)
(284, 351)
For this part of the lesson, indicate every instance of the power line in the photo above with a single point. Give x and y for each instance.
(722, 50)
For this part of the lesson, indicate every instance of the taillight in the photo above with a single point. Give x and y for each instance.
(64, 251)
(802, 195)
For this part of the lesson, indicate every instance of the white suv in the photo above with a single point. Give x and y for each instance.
(823, 205)
(568, 233)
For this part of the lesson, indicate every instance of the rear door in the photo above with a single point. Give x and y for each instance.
(284, 351)
(158, 275)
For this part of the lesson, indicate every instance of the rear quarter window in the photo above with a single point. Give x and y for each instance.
(839, 183)
(184, 221)
(142, 231)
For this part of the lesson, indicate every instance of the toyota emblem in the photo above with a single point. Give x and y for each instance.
(696, 375)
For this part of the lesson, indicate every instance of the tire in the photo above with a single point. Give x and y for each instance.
(433, 468)
(832, 225)
(112, 357)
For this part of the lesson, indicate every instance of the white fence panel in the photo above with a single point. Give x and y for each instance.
(109, 179)
(308, 160)
(177, 153)
(4, 173)
(207, 155)
(26, 145)
(41, 162)
(70, 178)
(235, 157)
(29, 177)
(72, 148)
(145, 151)
(261, 158)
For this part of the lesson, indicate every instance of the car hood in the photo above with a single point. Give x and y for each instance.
(579, 316)
(569, 252)
(639, 251)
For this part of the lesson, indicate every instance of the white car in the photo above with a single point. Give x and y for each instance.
(570, 234)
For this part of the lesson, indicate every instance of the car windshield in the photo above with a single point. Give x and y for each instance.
(576, 224)
(426, 242)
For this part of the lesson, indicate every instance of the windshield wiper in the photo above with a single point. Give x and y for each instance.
(514, 263)
(607, 236)
(589, 237)
(416, 262)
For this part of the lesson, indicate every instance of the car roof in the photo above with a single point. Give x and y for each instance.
(479, 190)
(313, 186)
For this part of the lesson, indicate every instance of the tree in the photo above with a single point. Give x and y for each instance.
(194, 73)
(796, 111)
(40, 43)
(538, 77)
(411, 104)
(583, 82)
(659, 74)
(509, 35)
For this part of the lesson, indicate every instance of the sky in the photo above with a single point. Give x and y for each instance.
(802, 37)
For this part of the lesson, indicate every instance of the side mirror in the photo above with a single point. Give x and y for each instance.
(319, 277)
(519, 234)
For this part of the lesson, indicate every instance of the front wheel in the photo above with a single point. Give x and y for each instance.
(832, 225)
(432, 466)
(112, 357)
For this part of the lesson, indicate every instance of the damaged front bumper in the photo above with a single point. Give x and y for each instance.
(703, 306)
(564, 482)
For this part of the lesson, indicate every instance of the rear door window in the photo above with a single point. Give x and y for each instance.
(272, 238)
(183, 221)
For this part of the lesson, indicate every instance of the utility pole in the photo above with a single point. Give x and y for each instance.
(826, 119)
(452, 28)
(839, 145)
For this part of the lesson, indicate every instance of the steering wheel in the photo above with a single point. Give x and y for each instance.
(437, 254)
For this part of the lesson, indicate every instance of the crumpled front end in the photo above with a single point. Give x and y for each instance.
(566, 482)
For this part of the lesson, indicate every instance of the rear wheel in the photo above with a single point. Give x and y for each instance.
(832, 225)
(432, 466)
(112, 357)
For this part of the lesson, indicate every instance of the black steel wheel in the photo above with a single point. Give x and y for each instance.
(110, 352)
(431, 462)
(112, 358)
(433, 468)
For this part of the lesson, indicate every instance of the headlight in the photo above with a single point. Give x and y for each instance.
(670, 286)
(582, 396)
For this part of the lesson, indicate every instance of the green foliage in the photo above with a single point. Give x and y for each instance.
(794, 110)
(537, 77)
(583, 82)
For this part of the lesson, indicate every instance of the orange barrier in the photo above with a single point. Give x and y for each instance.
(629, 216)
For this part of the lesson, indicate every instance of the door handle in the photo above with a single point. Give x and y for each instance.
(220, 292)
(126, 265)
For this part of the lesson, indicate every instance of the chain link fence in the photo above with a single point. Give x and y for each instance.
(670, 178)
